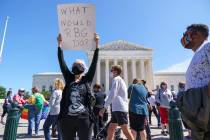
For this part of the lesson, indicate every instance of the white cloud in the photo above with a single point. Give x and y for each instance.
(180, 67)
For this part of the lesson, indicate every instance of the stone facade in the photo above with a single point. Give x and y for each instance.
(135, 60)
(171, 78)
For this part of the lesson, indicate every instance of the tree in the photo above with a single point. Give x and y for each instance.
(2, 92)
(46, 94)
(27, 95)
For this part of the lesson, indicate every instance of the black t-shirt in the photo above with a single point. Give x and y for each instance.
(77, 97)
(74, 96)
(100, 99)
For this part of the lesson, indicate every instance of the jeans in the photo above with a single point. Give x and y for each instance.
(157, 115)
(34, 117)
(51, 120)
(5, 111)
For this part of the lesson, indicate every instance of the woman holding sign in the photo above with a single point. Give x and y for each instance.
(75, 108)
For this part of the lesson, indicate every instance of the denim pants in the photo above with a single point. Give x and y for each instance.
(157, 115)
(50, 121)
(34, 118)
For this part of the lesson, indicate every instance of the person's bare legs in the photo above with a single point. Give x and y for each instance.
(111, 131)
(134, 133)
(127, 132)
(143, 135)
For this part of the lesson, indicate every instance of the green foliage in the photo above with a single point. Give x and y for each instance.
(2, 92)
(46, 94)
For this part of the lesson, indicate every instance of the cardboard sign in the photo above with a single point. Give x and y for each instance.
(77, 26)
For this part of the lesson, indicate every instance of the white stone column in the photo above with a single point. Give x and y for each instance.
(150, 75)
(98, 72)
(115, 61)
(107, 75)
(133, 63)
(142, 69)
(125, 71)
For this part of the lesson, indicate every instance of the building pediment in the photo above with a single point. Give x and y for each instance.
(122, 45)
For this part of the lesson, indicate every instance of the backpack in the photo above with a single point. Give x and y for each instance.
(91, 100)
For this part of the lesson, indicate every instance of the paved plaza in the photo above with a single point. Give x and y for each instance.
(22, 131)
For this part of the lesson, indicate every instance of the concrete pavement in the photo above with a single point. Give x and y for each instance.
(23, 124)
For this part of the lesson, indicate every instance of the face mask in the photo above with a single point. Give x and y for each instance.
(78, 69)
(185, 40)
(111, 75)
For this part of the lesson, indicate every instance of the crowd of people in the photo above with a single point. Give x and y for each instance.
(76, 109)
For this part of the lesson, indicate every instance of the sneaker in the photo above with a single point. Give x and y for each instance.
(163, 133)
(35, 135)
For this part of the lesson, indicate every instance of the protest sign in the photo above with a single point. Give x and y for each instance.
(77, 26)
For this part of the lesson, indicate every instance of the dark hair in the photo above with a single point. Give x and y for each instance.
(35, 89)
(98, 86)
(117, 68)
(181, 84)
(9, 92)
(143, 82)
(135, 81)
(162, 83)
(202, 28)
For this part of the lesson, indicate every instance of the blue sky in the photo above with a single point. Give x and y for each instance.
(30, 44)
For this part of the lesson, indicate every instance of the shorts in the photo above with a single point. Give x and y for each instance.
(120, 118)
(137, 121)
(163, 115)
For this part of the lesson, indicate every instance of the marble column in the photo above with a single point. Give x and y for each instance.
(98, 72)
(150, 75)
(115, 61)
(142, 69)
(125, 71)
(107, 75)
(133, 63)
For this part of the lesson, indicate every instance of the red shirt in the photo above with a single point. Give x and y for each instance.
(19, 99)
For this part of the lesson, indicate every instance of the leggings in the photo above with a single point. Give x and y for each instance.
(5, 111)
(70, 125)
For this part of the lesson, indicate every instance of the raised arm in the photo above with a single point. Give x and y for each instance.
(64, 69)
(91, 72)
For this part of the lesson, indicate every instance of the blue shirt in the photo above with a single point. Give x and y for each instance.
(138, 101)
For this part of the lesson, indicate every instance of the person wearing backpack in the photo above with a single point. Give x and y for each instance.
(76, 115)
(35, 105)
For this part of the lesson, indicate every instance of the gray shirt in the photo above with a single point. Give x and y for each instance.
(55, 100)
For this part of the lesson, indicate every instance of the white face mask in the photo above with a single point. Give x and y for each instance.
(111, 75)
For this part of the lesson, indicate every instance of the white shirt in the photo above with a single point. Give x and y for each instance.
(198, 72)
(118, 95)
(152, 100)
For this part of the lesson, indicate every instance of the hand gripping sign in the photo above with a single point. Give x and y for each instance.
(77, 26)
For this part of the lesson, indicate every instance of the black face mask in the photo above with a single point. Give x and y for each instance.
(78, 69)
